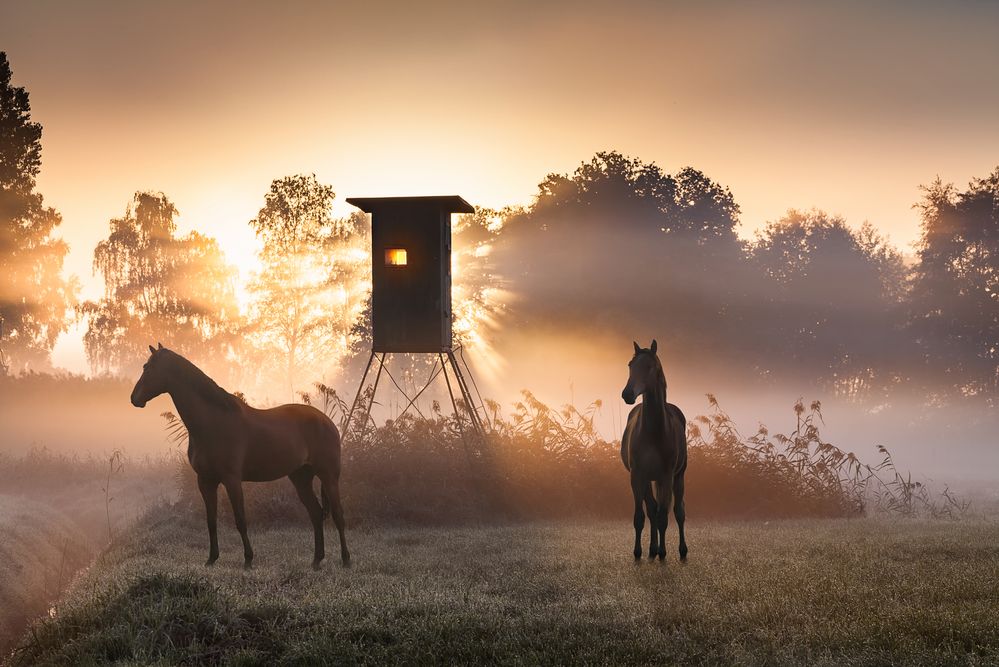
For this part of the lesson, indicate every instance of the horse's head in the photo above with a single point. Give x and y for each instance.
(153, 380)
(644, 371)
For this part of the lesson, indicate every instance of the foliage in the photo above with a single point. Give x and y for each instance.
(689, 203)
(543, 463)
(800, 474)
(35, 299)
(159, 286)
(902, 496)
(477, 285)
(832, 300)
(955, 289)
(780, 475)
(115, 465)
(620, 246)
(306, 294)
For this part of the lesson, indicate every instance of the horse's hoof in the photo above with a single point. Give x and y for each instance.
(248, 565)
(662, 555)
(638, 554)
(211, 561)
(317, 564)
(652, 554)
(345, 561)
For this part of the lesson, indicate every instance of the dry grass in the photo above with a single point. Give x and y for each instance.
(541, 463)
(56, 512)
(40, 552)
(92, 490)
(830, 592)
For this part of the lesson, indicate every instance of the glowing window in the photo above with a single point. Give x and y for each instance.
(395, 257)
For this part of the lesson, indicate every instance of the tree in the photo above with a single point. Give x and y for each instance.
(955, 289)
(621, 245)
(830, 299)
(310, 286)
(35, 299)
(477, 289)
(160, 287)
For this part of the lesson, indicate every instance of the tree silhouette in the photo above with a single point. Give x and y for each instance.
(832, 300)
(476, 282)
(621, 245)
(160, 287)
(306, 294)
(955, 291)
(34, 297)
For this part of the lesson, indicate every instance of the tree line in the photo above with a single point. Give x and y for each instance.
(617, 245)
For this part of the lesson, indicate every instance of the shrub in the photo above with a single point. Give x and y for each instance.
(542, 463)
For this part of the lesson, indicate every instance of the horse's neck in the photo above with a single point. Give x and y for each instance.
(194, 411)
(654, 409)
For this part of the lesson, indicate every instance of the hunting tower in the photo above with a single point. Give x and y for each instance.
(411, 271)
(411, 296)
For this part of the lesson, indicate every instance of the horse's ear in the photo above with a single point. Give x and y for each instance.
(637, 349)
(160, 345)
(152, 350)
(654, 346)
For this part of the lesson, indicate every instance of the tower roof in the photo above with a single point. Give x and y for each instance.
(445, 204)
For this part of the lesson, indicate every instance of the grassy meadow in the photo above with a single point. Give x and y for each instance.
(800, 554)
(830, 591)
(57, 512)
(40, 551)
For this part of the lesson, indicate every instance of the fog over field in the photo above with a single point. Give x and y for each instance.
(792, 207)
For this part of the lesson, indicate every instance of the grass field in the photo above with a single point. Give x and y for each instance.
(40, 550)
(833, 592)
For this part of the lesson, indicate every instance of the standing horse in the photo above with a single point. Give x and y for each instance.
(229, 442)
(654, 450)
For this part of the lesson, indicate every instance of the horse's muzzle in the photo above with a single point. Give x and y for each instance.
(138, 402)
(628, 396)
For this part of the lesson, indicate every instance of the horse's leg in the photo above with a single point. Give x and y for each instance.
(662, 518)
(638, 487)
(210, 494)
(679, 511)
(331, 486)
(651, 508)
(302, 479)
(234, 488)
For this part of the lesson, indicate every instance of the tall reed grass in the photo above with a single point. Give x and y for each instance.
(539, 462)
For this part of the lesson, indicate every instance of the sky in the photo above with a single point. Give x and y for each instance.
(844, 106)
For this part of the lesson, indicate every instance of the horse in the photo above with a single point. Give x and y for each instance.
(230, 442)
(654, 450)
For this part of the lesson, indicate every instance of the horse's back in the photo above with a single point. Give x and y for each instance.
(299, 429)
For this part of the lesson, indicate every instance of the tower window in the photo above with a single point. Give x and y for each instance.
(395, 257)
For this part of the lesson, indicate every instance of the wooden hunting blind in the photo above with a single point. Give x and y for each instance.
(411, 295)
(411, 271)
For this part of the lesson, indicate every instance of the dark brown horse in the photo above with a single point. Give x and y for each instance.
(229, 442)
(654, 450)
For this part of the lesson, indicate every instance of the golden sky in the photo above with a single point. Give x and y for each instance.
(846, 106)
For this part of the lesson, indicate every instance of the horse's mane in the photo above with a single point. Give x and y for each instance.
(206, 387)
(660, 375)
